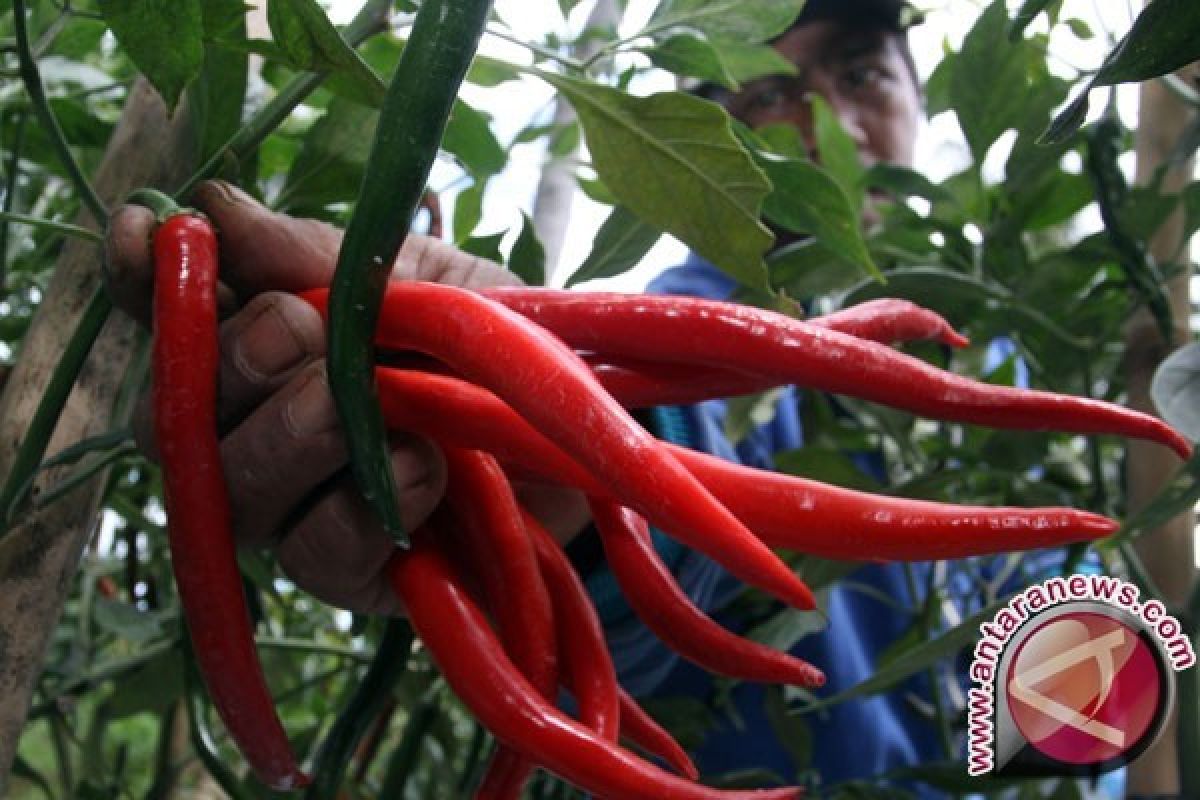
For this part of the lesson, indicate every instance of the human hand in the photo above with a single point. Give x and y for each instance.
(281, 445)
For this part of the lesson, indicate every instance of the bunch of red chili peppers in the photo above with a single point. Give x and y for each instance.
(535, 384)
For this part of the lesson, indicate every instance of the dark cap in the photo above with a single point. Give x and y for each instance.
(895, 15)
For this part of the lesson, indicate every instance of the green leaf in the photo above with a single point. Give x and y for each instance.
(905, 182)
(742, 20)
(127, 622)
(468, 210)
(917, 658)
(725, 62)
(485, 71)
(309, 39)
(567, 6)
(164, 39)
(487, 246)
(1081, 29)
(673, 160)
(215, 98)
(810, 269)
(620, 244)
(1178, 496)
(470, 139)
(1069, 120)
(988, 85)
(827, 465)
(1164, 37)
(749, 60)
(330, 165)
(807, 199)
(1026, 14)
(690, 56)
(152, 687)
(528, 258)
(1176, 390)
(836, 150)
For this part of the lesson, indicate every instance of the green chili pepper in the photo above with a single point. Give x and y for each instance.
(411, 123)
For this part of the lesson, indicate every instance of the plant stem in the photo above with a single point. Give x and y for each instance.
(45, 418)
(369, 696)
(11, 178)
(370, 20)
(41, 106)
(400, 768)
(537, 49)
(203, 741)
(59, 227)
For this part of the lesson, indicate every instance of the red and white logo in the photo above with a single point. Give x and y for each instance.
(1073, 676)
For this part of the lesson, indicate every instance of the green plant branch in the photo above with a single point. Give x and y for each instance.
(537, 49)
(41, 106)
(45, 418)
(58, 227)
(203, 741)
(364, 704)
(12, 174)
(371, 19)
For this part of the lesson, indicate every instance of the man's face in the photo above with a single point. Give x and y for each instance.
(861, 74)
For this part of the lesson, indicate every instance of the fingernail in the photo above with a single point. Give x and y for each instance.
(223, 192)
(311, 411)
(269, 345)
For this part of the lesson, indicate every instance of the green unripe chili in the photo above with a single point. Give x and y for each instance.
(411, 123)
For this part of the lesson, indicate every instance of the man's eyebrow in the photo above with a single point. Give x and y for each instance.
(855, 44)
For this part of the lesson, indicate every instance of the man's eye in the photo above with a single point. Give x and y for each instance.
(863, 76)
(766, 99)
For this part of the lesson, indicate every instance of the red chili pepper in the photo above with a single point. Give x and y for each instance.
(666, 610)
(832, 522)
(553, 389)
(642, 729)
(784, 350)
(476, 667)
(785, 511)
(586, 663)
(492, 536)
(891, 319)
(203, 553)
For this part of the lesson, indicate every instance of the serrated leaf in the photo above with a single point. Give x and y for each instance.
(743, 20)
(673, 160)
(164, 39)
(303, 31)
(620, 244)
(469, 138)
(528, 258)
(808, 200)
(1164, 37)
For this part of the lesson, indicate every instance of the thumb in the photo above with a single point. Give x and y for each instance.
(265, 251)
